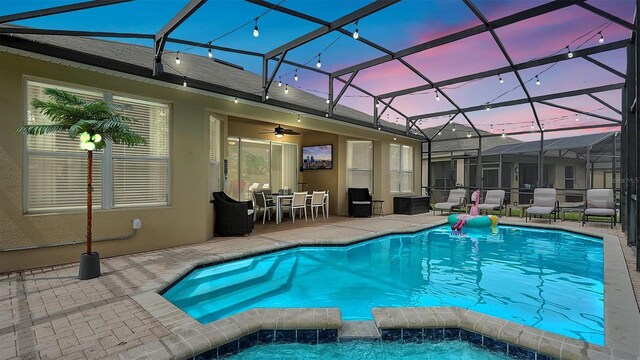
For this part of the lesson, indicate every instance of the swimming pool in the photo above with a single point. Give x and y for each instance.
(359, 350)
(548, 279)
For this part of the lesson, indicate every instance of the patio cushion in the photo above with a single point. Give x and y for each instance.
(355, 202)
(599, 212)
(488, 206)
(455, 195)
(494, 197)
(600, 198)
(544, 197)
(446, 205)
(540, 210)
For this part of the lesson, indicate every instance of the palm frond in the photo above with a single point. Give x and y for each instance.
(41, 129)
(63, 97)
(129, 138)
(82, 126)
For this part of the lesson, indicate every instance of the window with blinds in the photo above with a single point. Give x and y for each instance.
(56, 172)
(360, 164)
(401, 168)
(214, 155)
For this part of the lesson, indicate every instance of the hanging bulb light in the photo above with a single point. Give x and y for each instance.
(601, 40)
(379, 128)
(328, 101)
(532, 125)
(279, 82)
(569, 53)
(184, 82)
(178, 58)
(319, 63)
(491, 129)
(295, 76)
(437, 96)
(537, 80)
(286, 89)
(488, 107)
(377, 103)
(577, 118)
(439, 132)
(235, 100)
(267, 96)
(500, 79)
(298, 117)
(503, 134)
(469, 134)
(542, 127)
(210, 52)
(454, 127)
(356, 34)
(256, 33)
(326, 114)
(394, 138)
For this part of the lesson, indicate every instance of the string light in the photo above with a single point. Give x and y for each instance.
(184, 82)
(279, 82)
(267, 96)
(532, 125)
(577, 118)
(454, 127)
(377, 103)
(379, 128)
(178, 58)
(394, 138)
(503, 134)
(469, 134)
(256, 33)
(488, 107)
(491, 128)
(437, 96)
(601, 40)
(235, 100)
(439, 132)
(319, 63)
(328, 101)
(295, 77)
(542, 127)
(569, 52)
(356, 34)
(537, 81)
(500, 79)
(286, 89)
(210, 53)
(298, 117)
(326, 114)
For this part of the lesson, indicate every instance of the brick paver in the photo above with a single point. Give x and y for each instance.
(47, 313)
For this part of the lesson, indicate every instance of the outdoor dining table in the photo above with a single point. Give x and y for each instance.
(278, 198)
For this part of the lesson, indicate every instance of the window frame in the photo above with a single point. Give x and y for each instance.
(107, 198)
(401, 172)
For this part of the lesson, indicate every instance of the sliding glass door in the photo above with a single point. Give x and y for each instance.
(260, 165)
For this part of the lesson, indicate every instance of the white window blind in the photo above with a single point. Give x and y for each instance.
(360, 164)
(401, 168)
(57, 167)
(56, 171)
(140, 173)
(214, 155)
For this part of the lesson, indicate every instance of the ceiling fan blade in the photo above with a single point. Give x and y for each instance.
(290, 132)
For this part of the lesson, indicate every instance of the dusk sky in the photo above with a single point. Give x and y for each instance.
(397, 27)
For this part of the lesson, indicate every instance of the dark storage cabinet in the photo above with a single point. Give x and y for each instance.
(410, 205)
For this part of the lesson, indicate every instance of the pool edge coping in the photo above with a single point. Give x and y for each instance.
(188, 335)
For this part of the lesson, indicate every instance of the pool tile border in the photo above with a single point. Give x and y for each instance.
(190, 338)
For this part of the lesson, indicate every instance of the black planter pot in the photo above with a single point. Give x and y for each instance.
(89, 266)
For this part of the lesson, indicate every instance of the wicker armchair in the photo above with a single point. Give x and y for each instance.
(232, 217)
(359, 202)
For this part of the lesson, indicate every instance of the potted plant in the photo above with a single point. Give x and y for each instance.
(95, 123)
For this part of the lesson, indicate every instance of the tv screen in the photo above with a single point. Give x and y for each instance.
(317, 157)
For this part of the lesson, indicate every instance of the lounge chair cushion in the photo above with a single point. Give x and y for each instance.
(600, 198)
(540, 210)
(446, 205)
(544, 197)
(486, 206)
(599, 212)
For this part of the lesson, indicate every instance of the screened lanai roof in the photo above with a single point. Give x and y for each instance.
(416, 65)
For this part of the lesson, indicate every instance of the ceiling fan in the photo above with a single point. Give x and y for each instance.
(280, 132)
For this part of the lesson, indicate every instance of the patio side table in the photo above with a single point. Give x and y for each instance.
(377, 207)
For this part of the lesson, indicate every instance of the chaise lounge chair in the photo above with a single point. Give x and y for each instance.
(600, 203)
(544, 202)
(494, 200)
(456, 199)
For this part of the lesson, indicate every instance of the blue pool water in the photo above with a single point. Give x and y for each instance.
(548, 279)
(449, 350)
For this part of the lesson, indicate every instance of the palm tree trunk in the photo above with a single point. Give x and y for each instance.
(89, 198)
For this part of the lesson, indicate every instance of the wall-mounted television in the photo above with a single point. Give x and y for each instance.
(317, 157)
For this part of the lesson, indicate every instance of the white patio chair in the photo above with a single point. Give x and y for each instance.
(299, 201)
(456, 199)
(600, 203)
(263, 204)
(544, 202)
(317, 202)
(494, 200)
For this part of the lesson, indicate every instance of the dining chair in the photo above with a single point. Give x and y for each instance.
(299, 201)
(317, 201)
(262, 203)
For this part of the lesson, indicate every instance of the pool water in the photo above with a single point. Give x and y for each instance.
(548, 279)
(360, 350)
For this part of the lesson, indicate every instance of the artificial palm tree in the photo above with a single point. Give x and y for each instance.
(94, 122)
